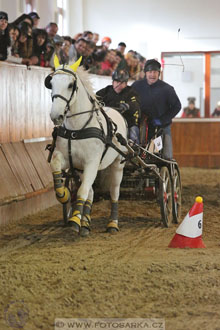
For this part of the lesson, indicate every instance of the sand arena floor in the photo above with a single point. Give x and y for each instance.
(133, 274)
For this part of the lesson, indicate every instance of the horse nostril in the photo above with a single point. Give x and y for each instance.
(60, 118)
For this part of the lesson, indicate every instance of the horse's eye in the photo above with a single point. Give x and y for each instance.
(70, 85)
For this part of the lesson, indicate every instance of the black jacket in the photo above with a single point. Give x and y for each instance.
(158, 101)
(127, 95)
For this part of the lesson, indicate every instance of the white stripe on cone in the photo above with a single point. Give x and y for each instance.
(191, 226)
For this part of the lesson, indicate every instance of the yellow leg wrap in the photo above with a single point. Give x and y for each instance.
(76, 217)
(62, 194)
(113, 224)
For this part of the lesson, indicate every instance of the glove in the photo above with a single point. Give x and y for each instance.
(156, 122)
(124, 107)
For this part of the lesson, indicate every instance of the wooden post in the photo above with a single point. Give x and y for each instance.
(207, 84)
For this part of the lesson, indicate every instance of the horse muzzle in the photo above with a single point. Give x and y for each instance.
(57, 120)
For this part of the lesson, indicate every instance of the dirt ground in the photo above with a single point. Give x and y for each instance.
(47, 273)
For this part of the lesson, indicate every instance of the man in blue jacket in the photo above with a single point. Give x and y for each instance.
(159, 103)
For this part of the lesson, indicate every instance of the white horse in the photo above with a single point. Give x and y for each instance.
(82, 142)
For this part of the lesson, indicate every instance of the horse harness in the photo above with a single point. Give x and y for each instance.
(84, 132)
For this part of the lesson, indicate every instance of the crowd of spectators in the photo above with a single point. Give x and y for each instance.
(21, 41)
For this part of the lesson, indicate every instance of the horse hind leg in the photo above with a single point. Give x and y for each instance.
(116, 173)
(112, 226)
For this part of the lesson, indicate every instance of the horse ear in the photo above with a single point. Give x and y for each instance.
(75, 65)
(56, 62)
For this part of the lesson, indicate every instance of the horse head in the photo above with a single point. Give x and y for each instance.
(63, 83)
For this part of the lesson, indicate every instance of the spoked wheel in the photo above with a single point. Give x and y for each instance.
(165, 197)
(176, 196)
(68, 207)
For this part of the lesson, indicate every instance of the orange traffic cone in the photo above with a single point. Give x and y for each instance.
(189, 232)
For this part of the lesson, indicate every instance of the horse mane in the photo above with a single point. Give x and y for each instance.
(84, 77)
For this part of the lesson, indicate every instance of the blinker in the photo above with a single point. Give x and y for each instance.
(47, 81)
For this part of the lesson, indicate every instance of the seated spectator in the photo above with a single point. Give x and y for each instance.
(191, 111)
(36, 18)
(4, 35)
(64, 51)
(123, 97)
(216, 112)
(39, 48)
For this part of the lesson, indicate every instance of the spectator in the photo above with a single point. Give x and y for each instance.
(39, 48)
(4, 35)
(106, 42)
(23, 18)
(87, 35)
(109, 64)
(64, 51)
(191, 111)
(89, 60)
(36, 18)
(52, 29)
(58, 42)
(76, 37)
(14, 34)
(78, 49)
(95, 38)
(216, 112)
(121, 47)
(25, 41)
(125, 99)
(159, 103)
(122, 64)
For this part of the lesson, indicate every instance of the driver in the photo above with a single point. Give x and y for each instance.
(159, 102)
(123, 97)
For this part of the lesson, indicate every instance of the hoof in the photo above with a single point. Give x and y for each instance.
(112, 228)
(84, 231)
(112, 231)
(74, 226)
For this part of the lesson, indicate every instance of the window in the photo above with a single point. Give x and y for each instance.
(61, 22)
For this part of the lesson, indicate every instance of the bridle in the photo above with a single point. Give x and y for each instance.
(75, 88)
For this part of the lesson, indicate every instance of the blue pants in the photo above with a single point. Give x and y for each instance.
(167, 151)
(134, 134)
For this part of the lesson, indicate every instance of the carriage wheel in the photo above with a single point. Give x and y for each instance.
(165, 197)
(177, 196)
(68, 207)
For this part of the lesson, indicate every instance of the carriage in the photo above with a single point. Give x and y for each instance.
(147, 176)
(87, 139)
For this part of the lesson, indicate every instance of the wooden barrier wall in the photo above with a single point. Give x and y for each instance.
(25, 103)
(196, 142)
(26, 180)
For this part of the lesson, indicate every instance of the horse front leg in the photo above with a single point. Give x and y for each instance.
(116, 174)
(57, 163)
(81, 218)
